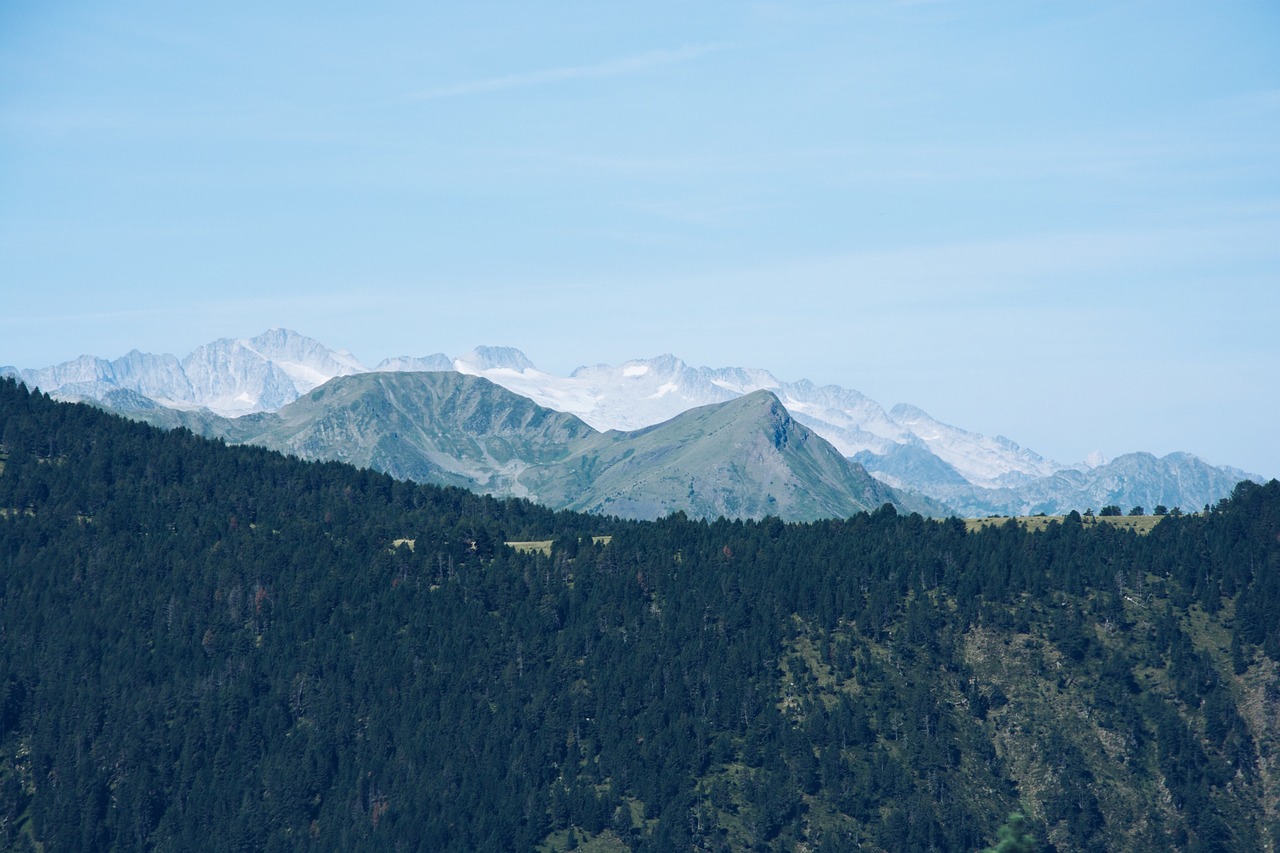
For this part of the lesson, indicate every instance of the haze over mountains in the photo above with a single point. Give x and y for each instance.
(746, 458)
(903, 447)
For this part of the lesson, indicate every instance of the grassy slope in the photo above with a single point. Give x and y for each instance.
(745, 458)
(1137, 523)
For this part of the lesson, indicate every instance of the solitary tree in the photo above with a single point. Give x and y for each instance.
(1014, 837)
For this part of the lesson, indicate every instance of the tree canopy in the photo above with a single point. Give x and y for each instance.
(206, 647)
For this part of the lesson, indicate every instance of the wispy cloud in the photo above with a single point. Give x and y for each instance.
(611, 68)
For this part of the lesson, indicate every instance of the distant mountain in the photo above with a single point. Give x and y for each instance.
(416, 364)
(746, 458)
(231, 376)
(1134, 479)
(485, 359)
(904, 446)
(982, 461)
(443, 428)
(262, 373)
(156, 377)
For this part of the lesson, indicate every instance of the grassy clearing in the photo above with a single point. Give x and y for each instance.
(1138, 523)
(543, 546)
(583, 841)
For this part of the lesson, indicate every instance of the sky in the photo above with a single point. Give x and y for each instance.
(1053, 221)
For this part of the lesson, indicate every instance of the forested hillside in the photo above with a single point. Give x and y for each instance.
(206, 647)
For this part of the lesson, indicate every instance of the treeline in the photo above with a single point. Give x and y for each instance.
(216, 648)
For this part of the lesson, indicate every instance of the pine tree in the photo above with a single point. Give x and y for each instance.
(1014, 837)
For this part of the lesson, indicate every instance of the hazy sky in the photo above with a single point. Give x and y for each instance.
(1056, 221)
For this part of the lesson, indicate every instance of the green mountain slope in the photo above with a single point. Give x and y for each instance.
(745, 458)
(206, 647)
(443, 428)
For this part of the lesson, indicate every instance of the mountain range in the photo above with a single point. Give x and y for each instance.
(592, 440)
(743, 458)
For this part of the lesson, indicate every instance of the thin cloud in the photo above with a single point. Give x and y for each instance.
(612, 68)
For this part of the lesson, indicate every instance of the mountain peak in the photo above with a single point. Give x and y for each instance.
(433, 363)
(742, 458)
(484, 358)
(761, 400)
(982, 460)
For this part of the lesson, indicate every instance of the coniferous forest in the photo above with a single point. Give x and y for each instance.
(205, 647)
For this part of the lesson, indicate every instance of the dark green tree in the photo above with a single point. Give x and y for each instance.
(1014, 837)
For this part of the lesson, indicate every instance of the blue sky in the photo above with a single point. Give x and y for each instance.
(1056, 221)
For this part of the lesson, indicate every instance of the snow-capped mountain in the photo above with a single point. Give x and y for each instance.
(231, 376)
(436, 363)
(904, 446)
(631, 396)
(483, 359)
(644, 392)
(90, 377)
(237, 375)
(983, 461)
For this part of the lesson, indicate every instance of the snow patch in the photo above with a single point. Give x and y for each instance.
(635, 370)
(304, 376)
(663, 391)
